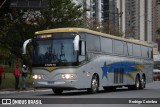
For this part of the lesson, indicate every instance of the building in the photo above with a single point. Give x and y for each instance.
(156, 18)
(28, 3)
(120, 4)
(100, 10)
(136, 21)
(110, 14)
(132, 17)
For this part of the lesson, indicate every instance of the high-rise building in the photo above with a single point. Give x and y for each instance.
(110, 13)
(156, 18)
(136, 21)
(120, 4)
(101, 11)
(132, 19)
(156, 22)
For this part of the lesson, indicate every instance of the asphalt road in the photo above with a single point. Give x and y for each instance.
(152, 90)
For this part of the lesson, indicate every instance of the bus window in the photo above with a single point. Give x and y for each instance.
(58, 51)
(150, 53)
(126, 51)
(93, 42)
(82, 51)
(106, 45)
(136, 50)
(130, 51)
(144, 50)
(118, 47)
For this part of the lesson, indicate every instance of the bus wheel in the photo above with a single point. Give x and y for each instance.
(57, 91)
(94, 85)
(137, 83)
(143, 82)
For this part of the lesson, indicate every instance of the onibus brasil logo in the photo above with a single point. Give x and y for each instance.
(20, 101)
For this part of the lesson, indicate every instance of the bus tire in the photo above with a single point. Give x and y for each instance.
(137, 83)
(57, 91)
(143, 82)
(94, 85)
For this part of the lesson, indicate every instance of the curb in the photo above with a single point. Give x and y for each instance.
(23, 91)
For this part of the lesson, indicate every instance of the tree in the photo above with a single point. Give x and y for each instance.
(62, 13)
(4, 52)
(110, 28)
(92, 23)
(104, 27)
(18, 25)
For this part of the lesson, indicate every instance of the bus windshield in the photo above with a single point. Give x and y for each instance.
(54, 51)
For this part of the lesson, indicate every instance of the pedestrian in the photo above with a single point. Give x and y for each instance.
(16, 74)
(24, 76)
(1, 70)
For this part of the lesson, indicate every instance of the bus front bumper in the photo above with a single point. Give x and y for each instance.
(68, 84)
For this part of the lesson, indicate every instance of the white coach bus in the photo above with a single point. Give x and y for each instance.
(77, 58)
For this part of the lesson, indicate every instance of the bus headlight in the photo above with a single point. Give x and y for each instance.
(37, 76)
(68, 76)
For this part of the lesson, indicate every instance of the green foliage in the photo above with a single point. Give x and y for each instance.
(18, 25)
(62, 13)
(4, 52)
(111, 28)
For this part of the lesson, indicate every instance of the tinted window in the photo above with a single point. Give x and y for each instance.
(54, 51)
(93, 42)
(136, 50)
(150, 53)
(129, 45)
(145, 53)
(118, 47)
(82, 35)
(106, 45)
(126, 49)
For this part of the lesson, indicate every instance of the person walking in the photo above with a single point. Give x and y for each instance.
(24, 76)
(16, 74)
(1, 71)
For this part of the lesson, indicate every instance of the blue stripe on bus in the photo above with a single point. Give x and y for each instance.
(126, 67)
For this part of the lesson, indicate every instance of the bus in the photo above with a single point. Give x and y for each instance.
(78, 58)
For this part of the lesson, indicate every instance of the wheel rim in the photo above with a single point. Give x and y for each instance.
(137, 83)
(143, 82)
(94, 85)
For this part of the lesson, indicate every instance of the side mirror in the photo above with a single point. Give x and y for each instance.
(76, 43)
(25, 45)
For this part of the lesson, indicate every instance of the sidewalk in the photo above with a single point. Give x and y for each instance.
(12, 90)
(8, 91)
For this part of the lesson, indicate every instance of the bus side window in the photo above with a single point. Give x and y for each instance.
(126, 51)
(130, 49)
(82, 50)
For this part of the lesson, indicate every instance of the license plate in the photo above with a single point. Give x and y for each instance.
(50, 82)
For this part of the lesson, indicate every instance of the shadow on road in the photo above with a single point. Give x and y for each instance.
(84, 92)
